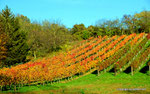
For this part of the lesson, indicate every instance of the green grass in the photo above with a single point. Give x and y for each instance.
(104, 84)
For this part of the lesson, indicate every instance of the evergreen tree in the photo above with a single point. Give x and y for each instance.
(16, 45)
(3, 39)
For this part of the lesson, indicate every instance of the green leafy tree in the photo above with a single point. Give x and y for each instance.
(143, 21)
(109, 27)
(47, 38)
(86, 34)
(16, 45)
(130, 24)
(94, 31)
(77, 31)
(78, 28)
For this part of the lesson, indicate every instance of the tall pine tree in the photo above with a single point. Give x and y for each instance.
(16, 45)
(3, 40)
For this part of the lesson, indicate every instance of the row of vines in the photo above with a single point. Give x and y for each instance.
(98, 53)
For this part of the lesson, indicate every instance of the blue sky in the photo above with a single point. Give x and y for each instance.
(71, 12)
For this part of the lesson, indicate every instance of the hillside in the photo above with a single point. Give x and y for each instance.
(92, 84)
(102, 54)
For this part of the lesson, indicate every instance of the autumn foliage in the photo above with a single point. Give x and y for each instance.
(2, 46)
(95, 53)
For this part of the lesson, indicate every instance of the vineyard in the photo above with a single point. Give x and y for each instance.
(99, 54)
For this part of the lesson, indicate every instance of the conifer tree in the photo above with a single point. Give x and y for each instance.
(16, 45)
(3, 39)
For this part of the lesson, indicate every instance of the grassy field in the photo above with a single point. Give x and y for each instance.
(104, 84)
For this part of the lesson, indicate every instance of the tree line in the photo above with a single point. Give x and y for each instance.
(137, 23)
(20, 38)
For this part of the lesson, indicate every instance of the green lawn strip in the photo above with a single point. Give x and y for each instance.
(106, 83)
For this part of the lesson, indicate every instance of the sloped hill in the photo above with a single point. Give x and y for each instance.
(95, 54)
(106, 83)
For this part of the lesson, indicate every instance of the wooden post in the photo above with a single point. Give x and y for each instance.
(97, 72)
(68, 78)
(15, 88)
(115, 70)
(19, 85)
(149, 69)
(34, 55)
(131, 70)
(1, 88)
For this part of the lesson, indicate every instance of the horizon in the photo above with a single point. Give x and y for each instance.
(71, 12)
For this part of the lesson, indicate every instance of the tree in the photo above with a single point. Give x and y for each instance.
(34, 39)
(17, 48)
(130, 24)
(24, 22)
(78, 28)
(46, 38)
(3, 40)
(143, 21)
(59, 36)
(94, 31)
(86, 34)
(109, 27)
